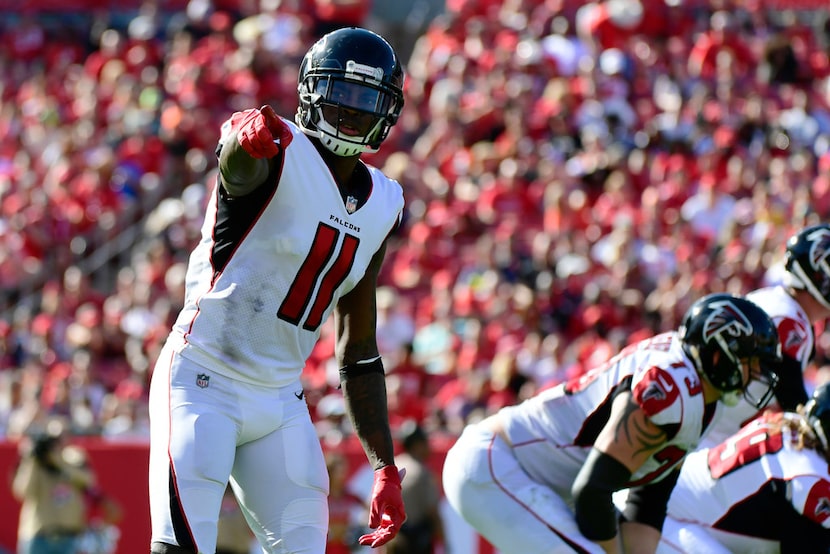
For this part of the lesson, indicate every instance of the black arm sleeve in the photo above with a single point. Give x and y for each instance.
(601, 476)
(790, 390)
(647, 504)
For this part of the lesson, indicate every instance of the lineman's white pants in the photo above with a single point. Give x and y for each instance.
(485, 485)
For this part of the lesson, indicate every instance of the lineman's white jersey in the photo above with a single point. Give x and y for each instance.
(746, 492)
(270, 267)
(797, 340)
(553, 432)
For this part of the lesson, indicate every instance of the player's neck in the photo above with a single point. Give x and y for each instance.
(710, 393)
(815, 311)
(341, 167)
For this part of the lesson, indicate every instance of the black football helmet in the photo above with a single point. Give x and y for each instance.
(808, 262)
(720, 332)
(817, 411)
(350, 88)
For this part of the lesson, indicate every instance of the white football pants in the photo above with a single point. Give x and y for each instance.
(485, 485)
(207, 429)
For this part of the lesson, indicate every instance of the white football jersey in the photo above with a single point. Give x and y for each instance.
(745, 491)
(553, 432)
(270, 267)
(797, 339)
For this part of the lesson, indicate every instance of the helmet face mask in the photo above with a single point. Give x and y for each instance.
(733, 343)
(350, 88)
(808, 262)
(762, 382)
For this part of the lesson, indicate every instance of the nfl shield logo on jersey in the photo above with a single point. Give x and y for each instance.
(202, 380)
(351, 204)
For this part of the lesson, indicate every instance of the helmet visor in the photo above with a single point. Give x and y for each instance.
(353, 95)
(353, 112)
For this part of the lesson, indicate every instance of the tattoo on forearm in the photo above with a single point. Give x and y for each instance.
(637, 432)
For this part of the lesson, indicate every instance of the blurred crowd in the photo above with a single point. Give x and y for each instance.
(576, 174)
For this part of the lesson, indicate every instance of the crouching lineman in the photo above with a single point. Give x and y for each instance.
(795, 306)
(538, 477)
(765, 489)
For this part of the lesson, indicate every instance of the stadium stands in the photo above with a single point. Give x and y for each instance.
(575, 173)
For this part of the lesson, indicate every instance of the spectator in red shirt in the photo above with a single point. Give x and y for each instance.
(722, 37)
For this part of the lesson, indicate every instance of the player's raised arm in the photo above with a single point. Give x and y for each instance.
(249, 142)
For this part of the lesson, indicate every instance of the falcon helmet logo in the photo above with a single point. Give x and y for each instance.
(723, 325)
(725, 319)
(820, 249)
(202, 380)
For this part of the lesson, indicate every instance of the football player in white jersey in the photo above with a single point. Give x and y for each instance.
(765, 489)
(796, 305)
(295, 230)
(539, 477)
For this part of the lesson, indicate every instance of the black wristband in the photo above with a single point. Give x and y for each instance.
(361, 368)
(594, 510)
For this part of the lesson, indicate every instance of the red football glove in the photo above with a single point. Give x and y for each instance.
(261, 133)
(386, 512)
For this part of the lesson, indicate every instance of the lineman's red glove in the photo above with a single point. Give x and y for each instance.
(261, 133)
(386, 512)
